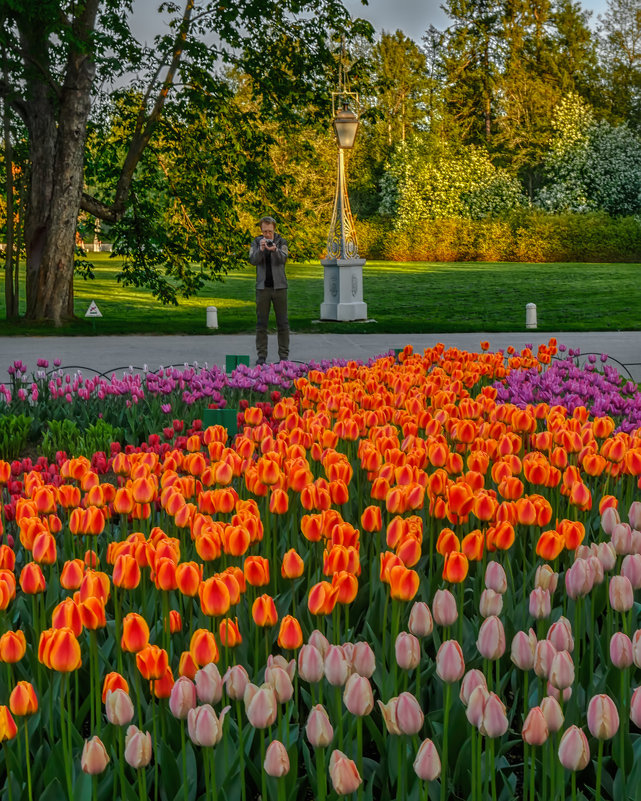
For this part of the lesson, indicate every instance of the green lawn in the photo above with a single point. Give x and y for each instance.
(416, 297)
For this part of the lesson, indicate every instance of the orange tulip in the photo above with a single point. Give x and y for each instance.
(8, 728)
(503, 538)
(187, 666)
(95, 583)
(293, 565)
(126, 572)
(67, 613)
(322, 598)
(165, 574)
(203, 648)
(573, 533)
(455, 567)
(229, 632)
(23, 700)
(236, 540)
(32, 580)
(550, 545)
(135, 633)
(188, 578)
(214, 597)
(264, 611)
(290, 635)
(152, 662)
(7, 555)
(404, 583)
(44, 550)
(447, 541)
(13, 646)
(347, 584)
(92, 614)
(71, 574)
(59, 650)
(473, 545)
(371, 519)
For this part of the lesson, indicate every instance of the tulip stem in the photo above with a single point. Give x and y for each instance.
(359, 753)
(155, 736)
(321, 778)
(339, 715)
(623, 702)
(473, 763)
(28, 758)
(121, 762)
(446, 720)
(526, 767)
(184, 759)
(492, 773)
(94, 787)
(241, 751)
(400, 786)
(599, 766)
(532, 770)
(263, 775)
(573, 785)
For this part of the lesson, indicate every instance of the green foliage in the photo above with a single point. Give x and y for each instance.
(14, 435)
(591, 165)
(67, 436)
(443, 181)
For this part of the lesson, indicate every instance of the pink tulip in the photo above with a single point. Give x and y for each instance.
(543, 656)
(320, 641)
(276, 762)
(408, 651)
(343, 773)
(603, 717)
(491, 640)
(609, 519)
(277, 660)
(279, 680)
(94, 757)
(636, 541)
(579, 579)
(236, 680)
(450, 665)
(204, 727)
(137, 748)
(336, 666)
(546, 579)
(388, 711)
(420, 622)
(596, 566)
(182, 698)
(494, 722)
(427, 763)
(495, 578)
(209, 684)
(552, 713)
(635, 707)
(476, 705)
(310, 664)
(559, 695)
(490, 603)
(636, 648)
(621, 650)
(409, 715)
(444, 608)
(261, 706)
(622, 538)
(561, 674)
(358, 696)
(471, 680)
(634, 515)
(318, 729)
(119, 707)
(621, 594)
(631, 569)
(522, 650)
(535, 728)
(363, 659)
(540, 603)
(574, 751)
(606, 554)
(560, 635)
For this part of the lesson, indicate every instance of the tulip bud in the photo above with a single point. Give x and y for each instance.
(119, 707)
(137, 747)
(182, 697)
(236, 680)
(574, 751)
(622, 538)
(310, 664)
(450, 665)
(336, 666)
(204, 727)
(409, 715)
(408, 651)
(494, 722)
(343, 773)
(427, 764)
(609, 519)
(596, 566)
(543, 656)
(318, 729)
(535, 728)
(634, 515)
(279, 680)
(490, 603)
(420, 622)
(560, 635)
(471, 680)
(388, 711)
(523, 649)
(320, 641)
(94, 757)
(579, 579)
(561, 673)
(545, 578)
(606, 554)
(621, 650)
(476, 704)
(603, 717)
(363, 660)
(495, 578)
(444, 608)
(552, 713)
(631, 569)
(276, 762)
(621, 594)
(209, 684)
(540, 603)
(358, 696)
(635, 706)
(261, 709)
(491, 640)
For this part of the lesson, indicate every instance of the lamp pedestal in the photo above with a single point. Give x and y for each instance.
(343, 299)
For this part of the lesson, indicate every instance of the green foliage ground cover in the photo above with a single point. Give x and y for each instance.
(413, 297)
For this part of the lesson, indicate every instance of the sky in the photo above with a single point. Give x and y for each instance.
(413, 17)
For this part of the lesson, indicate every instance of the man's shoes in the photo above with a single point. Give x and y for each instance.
(260, 361)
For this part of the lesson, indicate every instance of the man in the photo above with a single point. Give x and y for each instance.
(269, 253)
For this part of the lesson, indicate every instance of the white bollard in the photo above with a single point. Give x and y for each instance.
(212, 317)
(530, 315)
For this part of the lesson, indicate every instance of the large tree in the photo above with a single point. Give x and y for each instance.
(620, 46)
(58, 51)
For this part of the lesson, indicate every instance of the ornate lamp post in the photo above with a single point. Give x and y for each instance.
(343, 269)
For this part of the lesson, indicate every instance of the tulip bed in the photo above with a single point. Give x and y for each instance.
(403, 581)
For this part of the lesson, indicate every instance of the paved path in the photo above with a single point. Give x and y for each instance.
(105, 354)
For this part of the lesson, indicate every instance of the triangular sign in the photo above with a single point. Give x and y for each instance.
(93, 310)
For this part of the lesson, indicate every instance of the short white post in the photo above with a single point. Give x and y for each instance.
(212, 317)
(530, 315)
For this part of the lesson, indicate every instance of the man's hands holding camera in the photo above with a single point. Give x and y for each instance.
(267, 244)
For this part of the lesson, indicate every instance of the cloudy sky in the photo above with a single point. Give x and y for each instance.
(411, 16)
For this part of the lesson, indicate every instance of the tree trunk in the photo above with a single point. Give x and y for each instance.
(11, 301)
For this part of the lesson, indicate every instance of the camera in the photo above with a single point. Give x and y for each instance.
(269, 242)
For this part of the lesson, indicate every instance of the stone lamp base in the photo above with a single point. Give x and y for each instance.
(343, 290)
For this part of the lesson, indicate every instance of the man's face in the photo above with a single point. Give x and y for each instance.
(267, 230)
